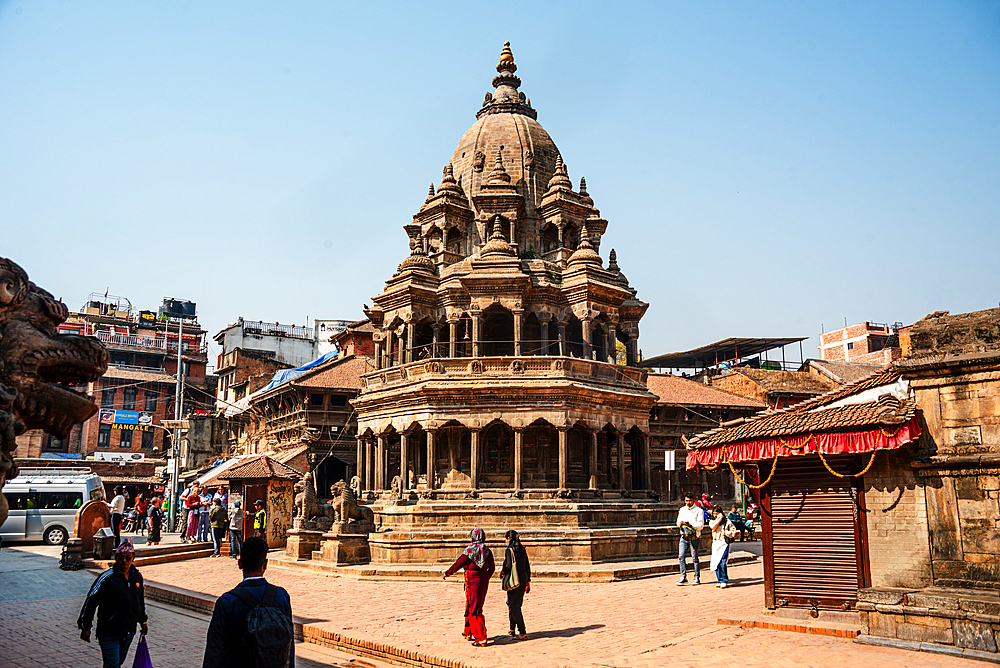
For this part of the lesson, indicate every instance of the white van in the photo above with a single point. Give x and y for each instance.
(43, 503)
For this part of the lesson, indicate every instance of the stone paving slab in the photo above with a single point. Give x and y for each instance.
(643, 623)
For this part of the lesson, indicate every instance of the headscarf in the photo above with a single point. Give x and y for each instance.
(477, 551)
(125, 549)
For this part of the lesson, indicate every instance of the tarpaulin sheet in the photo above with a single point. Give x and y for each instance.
(876, 437)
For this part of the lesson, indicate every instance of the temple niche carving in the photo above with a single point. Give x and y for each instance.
(506, 352)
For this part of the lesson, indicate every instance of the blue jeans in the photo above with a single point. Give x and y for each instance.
(722, 570)
(692, 546)
(114, 650)
(218, 535)
(204, 529)
(235, 542)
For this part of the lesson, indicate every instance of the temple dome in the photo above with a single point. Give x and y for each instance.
(507, 120)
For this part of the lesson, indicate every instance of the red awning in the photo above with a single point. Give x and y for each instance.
(877, 437)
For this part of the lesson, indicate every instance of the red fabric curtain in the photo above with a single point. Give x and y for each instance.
(831, 443)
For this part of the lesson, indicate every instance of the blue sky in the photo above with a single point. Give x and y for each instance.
(767, 169)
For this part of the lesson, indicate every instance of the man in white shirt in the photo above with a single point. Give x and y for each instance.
(117, 512)
(690, 520)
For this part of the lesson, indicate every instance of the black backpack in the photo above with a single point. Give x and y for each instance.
(269, 630)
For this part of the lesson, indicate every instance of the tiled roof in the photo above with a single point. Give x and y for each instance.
(812, 416)
(260, 468)
(845, 372)
(144, 376)
(787, 382)
(672, 389)
(339, 374)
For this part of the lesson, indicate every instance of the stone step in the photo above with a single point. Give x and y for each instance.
(812, 626)
(193, 551)
(572, 572)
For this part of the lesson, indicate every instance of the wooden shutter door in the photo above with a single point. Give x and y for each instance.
(817, 541)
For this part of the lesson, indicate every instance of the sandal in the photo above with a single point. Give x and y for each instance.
(479, 643)
(524, 636)
(511, 632)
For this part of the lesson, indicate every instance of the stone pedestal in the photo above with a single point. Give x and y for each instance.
(301, 543)
(346, 544)
(72, 554)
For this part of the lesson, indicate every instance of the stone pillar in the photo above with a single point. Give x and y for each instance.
(560, 228)
(563, 457)
(631, 349)
(404, 461)
(378, 354)
(474, 473)
(545, 337)
(588, 350)
(369, 476)
(593, 459)
(360, 464)
(452, 337)
(380, 462)
(518, 455)
(644, 474)
(518, 322)
(389, 337)
(435, 352)
(410, 352)
(620, 455)
(401, 349)
(563, 344)
(476, 331)
(431, 458)
(444, 239)
(612, 344)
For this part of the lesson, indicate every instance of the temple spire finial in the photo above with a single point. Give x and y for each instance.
(506, 63)
(583, 185)
(499, 175)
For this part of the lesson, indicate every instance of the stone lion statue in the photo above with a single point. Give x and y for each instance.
(308, 511)
(345, 505)
(43, 374)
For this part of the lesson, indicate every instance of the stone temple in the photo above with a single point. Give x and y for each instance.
(506, 393)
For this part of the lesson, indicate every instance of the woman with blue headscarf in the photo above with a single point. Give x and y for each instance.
(477, 560)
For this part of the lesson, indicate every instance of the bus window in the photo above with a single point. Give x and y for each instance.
(21, 500)
(59, 500)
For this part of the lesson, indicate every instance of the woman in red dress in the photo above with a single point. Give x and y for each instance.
(477, 560)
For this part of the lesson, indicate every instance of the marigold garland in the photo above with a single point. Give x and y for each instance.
(796, 447)
(849, 475)
(774, 467)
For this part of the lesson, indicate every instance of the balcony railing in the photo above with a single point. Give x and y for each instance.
(506, 368)
(276, 329)
(157, 343)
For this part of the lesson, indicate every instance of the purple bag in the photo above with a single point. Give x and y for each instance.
(142, 655)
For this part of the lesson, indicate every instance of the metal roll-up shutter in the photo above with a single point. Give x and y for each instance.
(814, 534)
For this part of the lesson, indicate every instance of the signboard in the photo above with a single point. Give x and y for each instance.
(119, 456)
(127, 420)
(147, 318)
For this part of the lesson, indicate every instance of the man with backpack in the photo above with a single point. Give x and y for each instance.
(251, 624)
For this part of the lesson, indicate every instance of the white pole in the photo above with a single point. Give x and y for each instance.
(176, 449)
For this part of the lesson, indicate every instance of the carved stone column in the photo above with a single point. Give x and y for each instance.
(477, 327)
(435, 352)
(431, 458)
(518, 456)
(620, 452)
(452, 337)
(404, 461)
(563, 344)
(545, 337)
(360, 461)
(474, 472)
(563, 457)
(588, 349)
(378, 354)
(593, 459)
(518, 323)
(410, 353)
(389, 338)
(380, 462)
(401, 350)
(369, 476)
(612, 344)
(644, 474)
(631, 349)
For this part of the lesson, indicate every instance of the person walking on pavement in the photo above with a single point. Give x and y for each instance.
(118, 598)
(690, 520)
(218, 520)
(516, 579)
(227, 644)
(259, 519)
(721, 526)
(204, 509)
(117, 513)
(154, 519)
(477, 560)
(236, 520)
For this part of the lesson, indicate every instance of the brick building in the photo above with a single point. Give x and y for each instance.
(138, 391)
(869, 342)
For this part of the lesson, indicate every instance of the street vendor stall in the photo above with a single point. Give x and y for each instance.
(270, 481)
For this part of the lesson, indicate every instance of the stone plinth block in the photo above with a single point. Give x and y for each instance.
(345, 549)
(302, 542)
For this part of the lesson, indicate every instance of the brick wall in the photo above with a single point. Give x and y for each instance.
(898, 548)
(165, 399)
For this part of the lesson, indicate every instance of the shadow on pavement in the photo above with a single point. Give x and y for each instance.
(556, 633)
